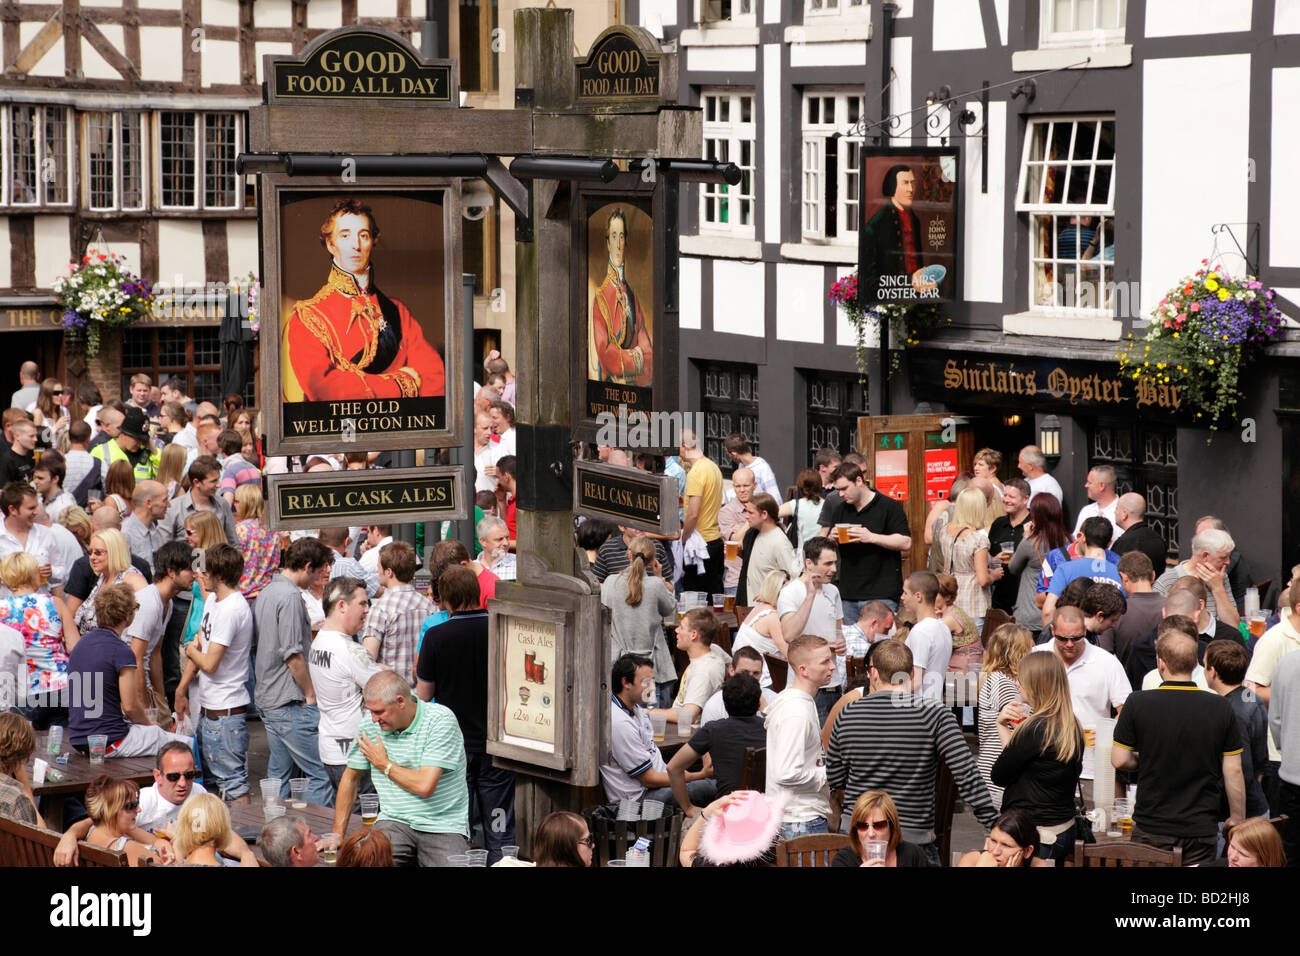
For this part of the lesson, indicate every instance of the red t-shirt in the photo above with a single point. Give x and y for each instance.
(487, 587)
(510, 516)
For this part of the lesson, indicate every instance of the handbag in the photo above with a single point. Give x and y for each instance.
(1082, 825)
(792, 529)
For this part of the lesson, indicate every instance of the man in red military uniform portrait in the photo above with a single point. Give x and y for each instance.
(350, 341)
(620, 340)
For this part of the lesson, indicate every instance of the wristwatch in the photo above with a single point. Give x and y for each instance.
(388, 768)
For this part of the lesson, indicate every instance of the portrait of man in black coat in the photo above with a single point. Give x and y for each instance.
(893, 259)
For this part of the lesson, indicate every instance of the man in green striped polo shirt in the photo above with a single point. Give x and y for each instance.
(418, 758)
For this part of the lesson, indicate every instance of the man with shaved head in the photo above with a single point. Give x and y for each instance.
(29, 378)
(1186, 749)
(148, 506)
(1136, 534)
(733, 526)
(1102, 500)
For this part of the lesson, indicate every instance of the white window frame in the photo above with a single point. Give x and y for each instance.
(733, 132)
(117, 142)
(1096, 36)
(740, 12)
(812, 166)
(200, 174)
(6, 149)
(824, 9)
(1037, 208)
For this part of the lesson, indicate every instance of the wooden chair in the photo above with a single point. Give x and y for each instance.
(742, 612)
(856, 672)
(814, 850)
(753, 772)
(779, 670)
(1279, 824)
(994, 618)
(614, 837)
(1125, 855)
(24, 845)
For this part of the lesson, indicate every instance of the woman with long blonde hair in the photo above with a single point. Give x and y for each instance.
(110, 560)
(965, 546)
(639, 600)
(1007, 647)
(171, 469)
(1042, 753)
(259, 545)
(761, 628)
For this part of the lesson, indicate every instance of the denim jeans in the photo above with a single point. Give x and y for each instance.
(791, 830)
(825, 699)
(225, 754)
(291, 738)
(491, 803)
(45, 710)
(700, 792)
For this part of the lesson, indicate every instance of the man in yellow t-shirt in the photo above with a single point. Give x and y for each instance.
(703, 501)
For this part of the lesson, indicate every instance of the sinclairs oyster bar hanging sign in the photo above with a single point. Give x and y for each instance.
(362, 63)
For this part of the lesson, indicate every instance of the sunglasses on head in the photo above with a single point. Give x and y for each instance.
(187, 774)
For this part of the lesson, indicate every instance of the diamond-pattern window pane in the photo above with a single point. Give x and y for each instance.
(1154, 475)
(834, 402)
(177, 151)
(730, 405)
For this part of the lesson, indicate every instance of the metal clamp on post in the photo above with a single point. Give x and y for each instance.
(543, 467)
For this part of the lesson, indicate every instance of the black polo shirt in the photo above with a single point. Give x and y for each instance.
(1181, 734)
(869, 572)
(454, 659)
(1007, 589)
(16, 467)
(727, 740)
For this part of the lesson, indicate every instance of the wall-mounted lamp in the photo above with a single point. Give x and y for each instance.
(1049, 437)
(1027, 89)
(942, 96)
(1012, 420)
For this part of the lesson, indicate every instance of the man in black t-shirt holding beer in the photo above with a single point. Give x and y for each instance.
(872, 533)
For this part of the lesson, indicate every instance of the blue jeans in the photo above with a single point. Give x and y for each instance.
(791, 830)
(225, 754)
(700, 792)
(491, 802)
(291, 737)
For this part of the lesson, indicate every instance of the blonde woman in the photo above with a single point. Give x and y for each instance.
(1006, 648)
(75, 519)
(965, 546)
(202, 828)
(761, 630)
(113, 806)
(1042, 754)
(48, 633)
(639, 600)
(171, 469)
(110, 560)
(260, 546)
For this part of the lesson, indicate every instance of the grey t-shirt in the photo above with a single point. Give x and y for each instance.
(283, 630)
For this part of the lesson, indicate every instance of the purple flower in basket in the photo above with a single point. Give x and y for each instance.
(73, 320)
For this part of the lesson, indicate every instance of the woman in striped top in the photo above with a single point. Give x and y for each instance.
(1007, 646)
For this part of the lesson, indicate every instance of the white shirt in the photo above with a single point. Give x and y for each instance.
(506, 445)
(156, 811)
(187, 437)
(370, 560)
(484, 457)
(1153, 680)
(715, 709)
(507, 568)
(315, 610)
(1047, 483)
(1093, 510)
(930, 642)
(764, 479)
(826, 613)
(13, 665)
(41, 545)
(148, 625)
(339, 669)
(54, 507)
(69, 546)
(227, 622)
(796, 764)
(1097, 683)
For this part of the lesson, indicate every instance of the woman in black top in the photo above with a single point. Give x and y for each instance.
(875, 817)
(1042, 753)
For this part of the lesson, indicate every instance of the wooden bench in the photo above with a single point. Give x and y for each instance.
(813, 850)
(24, 845)
(615, 837)
(1125, 855)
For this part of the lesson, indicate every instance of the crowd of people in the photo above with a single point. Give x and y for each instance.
(135, 556)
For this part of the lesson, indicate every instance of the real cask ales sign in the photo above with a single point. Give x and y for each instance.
(627, 496)
(362, 63)
(622, 64)
(391, 496)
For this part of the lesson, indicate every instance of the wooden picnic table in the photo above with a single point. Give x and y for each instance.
(319, 819)
(78, 773)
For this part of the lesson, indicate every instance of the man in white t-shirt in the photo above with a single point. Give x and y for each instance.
(810, 604)
(743, 455)
(929, 640)
(708, 665)
(1102, 500)
(143, 635)
(339, 669)
(1097, 678)
(746, 660)
(1031, 465)
(485, 453)
(796, 763)
(220, 656)
(377, 535)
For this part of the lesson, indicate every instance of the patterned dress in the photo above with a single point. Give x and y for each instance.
(261, 550)
(37, 619)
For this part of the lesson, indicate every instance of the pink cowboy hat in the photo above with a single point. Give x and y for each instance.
(744, 830)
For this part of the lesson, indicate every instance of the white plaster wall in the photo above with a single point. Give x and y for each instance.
(799, 302)
(739, 299)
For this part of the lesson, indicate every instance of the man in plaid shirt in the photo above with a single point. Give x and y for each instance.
(392, 628)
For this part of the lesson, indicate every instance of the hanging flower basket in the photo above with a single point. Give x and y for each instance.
(1204, 335)
(909, 324)
(251, 288)
(100, 293)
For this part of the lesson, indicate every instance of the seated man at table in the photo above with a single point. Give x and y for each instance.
(103, 668)
(724, 742)
(418, 755)
(638, 770)
(175, 780)
(746, 660)
(708, 663)
(288, 841)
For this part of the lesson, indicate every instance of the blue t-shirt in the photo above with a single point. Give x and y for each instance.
(95, 705)
(433, 620)
(1098, 569)
(1057, 557)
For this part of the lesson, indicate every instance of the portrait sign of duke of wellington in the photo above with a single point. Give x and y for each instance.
(365, 312)
(620, 286)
